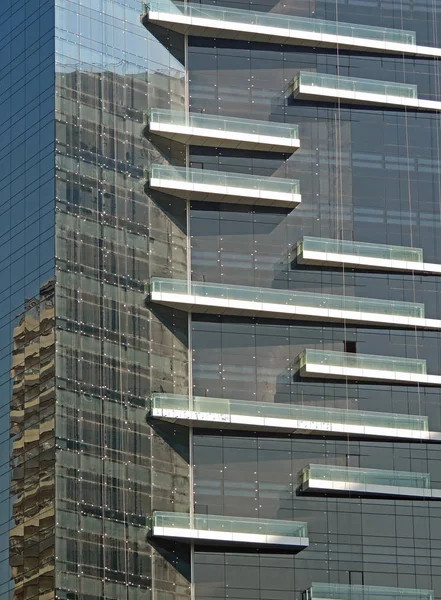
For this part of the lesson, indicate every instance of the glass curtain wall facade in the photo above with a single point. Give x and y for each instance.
(104, 498)
(27, 305)
(112, 468)
(367, 174)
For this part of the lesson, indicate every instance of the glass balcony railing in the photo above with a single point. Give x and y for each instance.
(365, 476)
(339, 591)
(286, 23)
(223, 124)
(270, 410)
(352, 84)
(225, 180)
(271, 527)
(287, 298)
(362, 249)
(367, 362)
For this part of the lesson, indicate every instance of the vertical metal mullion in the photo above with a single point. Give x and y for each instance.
(191, 453)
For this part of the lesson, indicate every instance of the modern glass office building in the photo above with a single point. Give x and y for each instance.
(220, 318)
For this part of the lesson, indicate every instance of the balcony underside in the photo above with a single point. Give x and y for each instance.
(224, 139)
(317, 370)
(218, 193)
(205, 420)
(224, 539)
(311, 92)
(343, 488)
(214, 305)
(210, 27)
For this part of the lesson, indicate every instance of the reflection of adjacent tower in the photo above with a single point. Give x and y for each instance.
(32, 540)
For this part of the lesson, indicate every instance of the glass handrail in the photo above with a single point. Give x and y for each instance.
(284, 22)
(287, 297)
(223, 124)
(354, 84)
(362, 249)
(271, 410)
(365, 476)
(333, 358)
(222, 179)
(339, 591)
(230, 524)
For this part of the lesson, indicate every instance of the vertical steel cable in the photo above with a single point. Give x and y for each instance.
(189, 332)
(438, 93)
(409, 202)
(339, 198)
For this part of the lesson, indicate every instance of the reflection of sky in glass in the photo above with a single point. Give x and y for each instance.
(26, 205)
(105, 35)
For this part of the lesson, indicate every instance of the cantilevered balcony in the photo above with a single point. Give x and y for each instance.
(340, 591)
(223, 132)
(220, 531)
(217, 186)
(240, 415)
(332, 479)
(308, 85)
(363, 255)
(222, 22)
(241, 300)
(329, 364)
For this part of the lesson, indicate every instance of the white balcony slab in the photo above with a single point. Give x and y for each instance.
(197, 186)
(304, 91)
(365, 262)
(217, 138)
(326, 371)
(215, 305)
(226, 538)
(242, 532)
(206, 420)
(193, 22)
(329, 486)
(334, 479)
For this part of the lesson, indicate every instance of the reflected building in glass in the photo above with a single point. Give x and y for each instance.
(32, 462)
(220, 319)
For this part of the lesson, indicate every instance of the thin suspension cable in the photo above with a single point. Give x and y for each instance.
(438, 94)
(339, 200)
(410, 203)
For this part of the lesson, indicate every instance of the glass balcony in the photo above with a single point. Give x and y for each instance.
(339, 591)
(360, 249)
(352, 84)
(319, 86)
(258, 298)
(365, 477)
(236, 530)
(221, 411)
(200, 184)
(344, 365)
(214, 130)
(368, 362)
(323, 251)
(200, 19)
